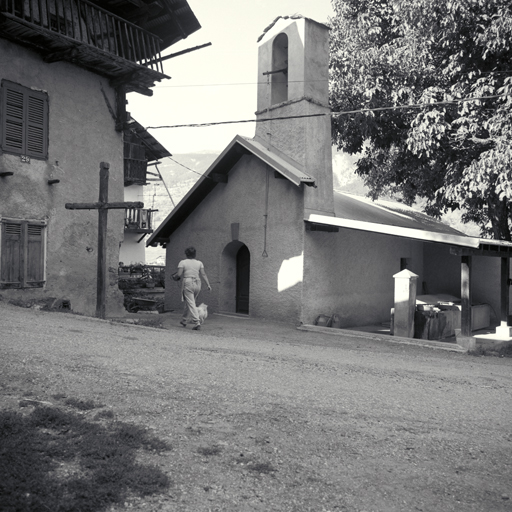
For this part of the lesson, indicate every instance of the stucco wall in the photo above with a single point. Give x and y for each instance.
(350, 273)
(275, 280)
(308, 60)
(81, 135)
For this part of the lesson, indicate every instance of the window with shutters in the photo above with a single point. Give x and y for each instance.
(23, 120)
(22, 254)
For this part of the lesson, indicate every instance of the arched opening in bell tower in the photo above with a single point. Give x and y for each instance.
(279, 69)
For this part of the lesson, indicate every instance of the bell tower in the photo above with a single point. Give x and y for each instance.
(293, 73)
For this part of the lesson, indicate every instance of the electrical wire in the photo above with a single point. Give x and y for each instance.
(376, 109)
(165, 185)
(237, 83)
(290, 81)
(188, 168)
(335, 114)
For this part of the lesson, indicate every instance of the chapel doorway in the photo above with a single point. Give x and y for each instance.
(243, 266)
(235, 279)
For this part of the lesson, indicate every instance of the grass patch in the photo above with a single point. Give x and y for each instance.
(209, 450)
(55, 460)
(503, 351)
(261, 467)
(82, 405)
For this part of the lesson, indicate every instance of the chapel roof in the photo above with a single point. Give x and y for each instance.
(218, 173)
(352, 207)
(350, 211)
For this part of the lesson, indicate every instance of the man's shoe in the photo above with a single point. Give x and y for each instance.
(183, 323)
(196, 328)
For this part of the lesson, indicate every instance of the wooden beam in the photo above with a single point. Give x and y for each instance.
(465, 293)
(182, 52)
(483, 250)
(140, 90)
(121, 117)
(68, 55)
(101, 291)
(219, 178)
(104, 206)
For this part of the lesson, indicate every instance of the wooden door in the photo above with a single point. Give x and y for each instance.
(243, 266)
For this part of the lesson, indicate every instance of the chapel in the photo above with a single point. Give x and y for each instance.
(277, 241)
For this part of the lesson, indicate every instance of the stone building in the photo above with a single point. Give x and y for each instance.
(65, 69)
(276, 240)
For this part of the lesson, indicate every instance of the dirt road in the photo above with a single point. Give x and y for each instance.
(265, 417)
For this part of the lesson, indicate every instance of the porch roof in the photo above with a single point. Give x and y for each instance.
(155, 149)
(354, 212)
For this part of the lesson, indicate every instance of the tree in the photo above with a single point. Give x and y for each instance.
(454, 150)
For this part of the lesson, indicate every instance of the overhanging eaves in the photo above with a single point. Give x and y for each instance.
(386, 229)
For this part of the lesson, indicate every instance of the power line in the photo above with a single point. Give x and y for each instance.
(346, 112)
(165, 185)
(238, 83)
(189, 169)
(290, 81)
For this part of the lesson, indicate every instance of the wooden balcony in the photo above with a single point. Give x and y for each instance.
(138, 220)
(80, 32)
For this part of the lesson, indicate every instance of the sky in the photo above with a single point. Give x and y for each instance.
(216, 83)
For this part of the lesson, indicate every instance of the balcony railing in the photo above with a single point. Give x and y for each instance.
(83, 22)
(138, 220)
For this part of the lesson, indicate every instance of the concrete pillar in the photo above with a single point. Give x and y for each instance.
(504, 331)
(465, 295)
(405, 303)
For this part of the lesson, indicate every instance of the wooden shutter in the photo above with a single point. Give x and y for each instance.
(37, 125)
(135, 161)
(22, 254)
(24, 121)
(12, 122)
(11, 252)
(35, 255)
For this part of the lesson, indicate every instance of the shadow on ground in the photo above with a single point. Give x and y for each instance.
(53, 459)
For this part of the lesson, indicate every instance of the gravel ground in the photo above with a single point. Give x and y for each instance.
(265, 417)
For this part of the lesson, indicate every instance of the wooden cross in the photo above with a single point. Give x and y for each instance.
(103, 206)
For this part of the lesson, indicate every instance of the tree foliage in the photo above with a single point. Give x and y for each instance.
(431, 61)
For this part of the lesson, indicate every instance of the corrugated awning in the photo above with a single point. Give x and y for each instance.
(386, 229)
(353, 212)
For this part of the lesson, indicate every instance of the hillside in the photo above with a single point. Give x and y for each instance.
(179, 179)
